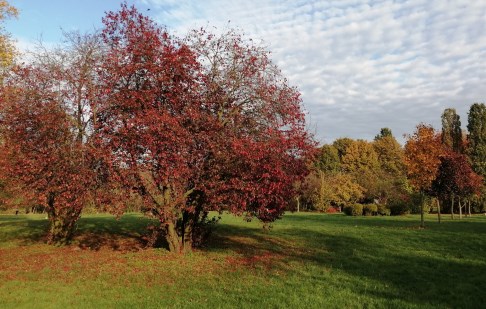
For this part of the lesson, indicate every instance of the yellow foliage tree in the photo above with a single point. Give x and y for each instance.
(7, 48)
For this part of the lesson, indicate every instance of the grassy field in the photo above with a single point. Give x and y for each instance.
(306, 261)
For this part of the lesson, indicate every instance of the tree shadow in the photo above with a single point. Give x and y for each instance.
(92, 233)
(126, 233)
(412, 277)
(23, 229)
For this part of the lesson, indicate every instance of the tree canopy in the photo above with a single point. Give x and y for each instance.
(204, 123)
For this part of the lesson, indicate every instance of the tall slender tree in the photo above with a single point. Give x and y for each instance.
(451, 130)
(477, 138)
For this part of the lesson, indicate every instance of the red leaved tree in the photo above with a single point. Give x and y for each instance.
(456, 178)
(194, 128)
(41, 157)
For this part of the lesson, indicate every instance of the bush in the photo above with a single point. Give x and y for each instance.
(399, 207)
(353, 210)
(383, 210)
(370, 209)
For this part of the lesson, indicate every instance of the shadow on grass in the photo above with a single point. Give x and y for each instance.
(124, 234)
(23, 229)
(473, 225)
(440, 266)
(424, 276)
(93, 232)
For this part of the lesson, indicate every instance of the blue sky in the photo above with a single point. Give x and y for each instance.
(361, 65)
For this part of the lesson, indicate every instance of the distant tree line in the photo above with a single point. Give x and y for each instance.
(435, 171)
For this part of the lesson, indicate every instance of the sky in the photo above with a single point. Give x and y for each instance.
(360, 65)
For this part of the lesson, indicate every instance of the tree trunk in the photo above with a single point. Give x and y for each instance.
(460, 209)
(62, 223)
(469, 208)
(422, 222)
(298, 203)
(438, 209)
(452, 206)
(172, 238)
(61, 230)
(188, 221)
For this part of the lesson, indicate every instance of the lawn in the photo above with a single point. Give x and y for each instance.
(305, 261)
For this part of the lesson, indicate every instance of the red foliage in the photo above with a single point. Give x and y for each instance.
(332, 210)
(40, 155)
(193, 128)
(455, 176)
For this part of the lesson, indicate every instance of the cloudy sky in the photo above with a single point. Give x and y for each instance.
(360, 65)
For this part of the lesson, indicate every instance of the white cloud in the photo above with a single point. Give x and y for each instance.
(361, 65)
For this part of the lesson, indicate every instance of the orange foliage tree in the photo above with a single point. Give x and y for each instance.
(423, 150)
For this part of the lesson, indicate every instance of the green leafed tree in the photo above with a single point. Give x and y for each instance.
(477, 138)
(451, 130)
(328, 159)
(384, 132)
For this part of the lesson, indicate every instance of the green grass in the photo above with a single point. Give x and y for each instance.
(306, 261)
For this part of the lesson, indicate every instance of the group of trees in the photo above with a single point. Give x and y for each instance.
(196, 124)
(351, 171)
(447, 167)
(193, 124)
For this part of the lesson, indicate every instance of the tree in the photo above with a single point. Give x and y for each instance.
(342, 144)
(477, 137)
(7, 53)
(40, 156)
(390, 154)
(74, 64)
(60, 82)
(360, 157)
(422, 158)
(323, 190)
(455, 177)
(361, 162)
(7, 48)
(451, 130)
(391, 181)
(384, 132)
(203, 124)
(328, 159)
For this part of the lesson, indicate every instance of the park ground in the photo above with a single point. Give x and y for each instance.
(307, 260)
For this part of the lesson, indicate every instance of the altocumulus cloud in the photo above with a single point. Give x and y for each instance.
(361, 65)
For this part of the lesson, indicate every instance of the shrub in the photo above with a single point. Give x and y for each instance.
(399, 207)
(383, 210)
(354, 210)
(370, 209)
